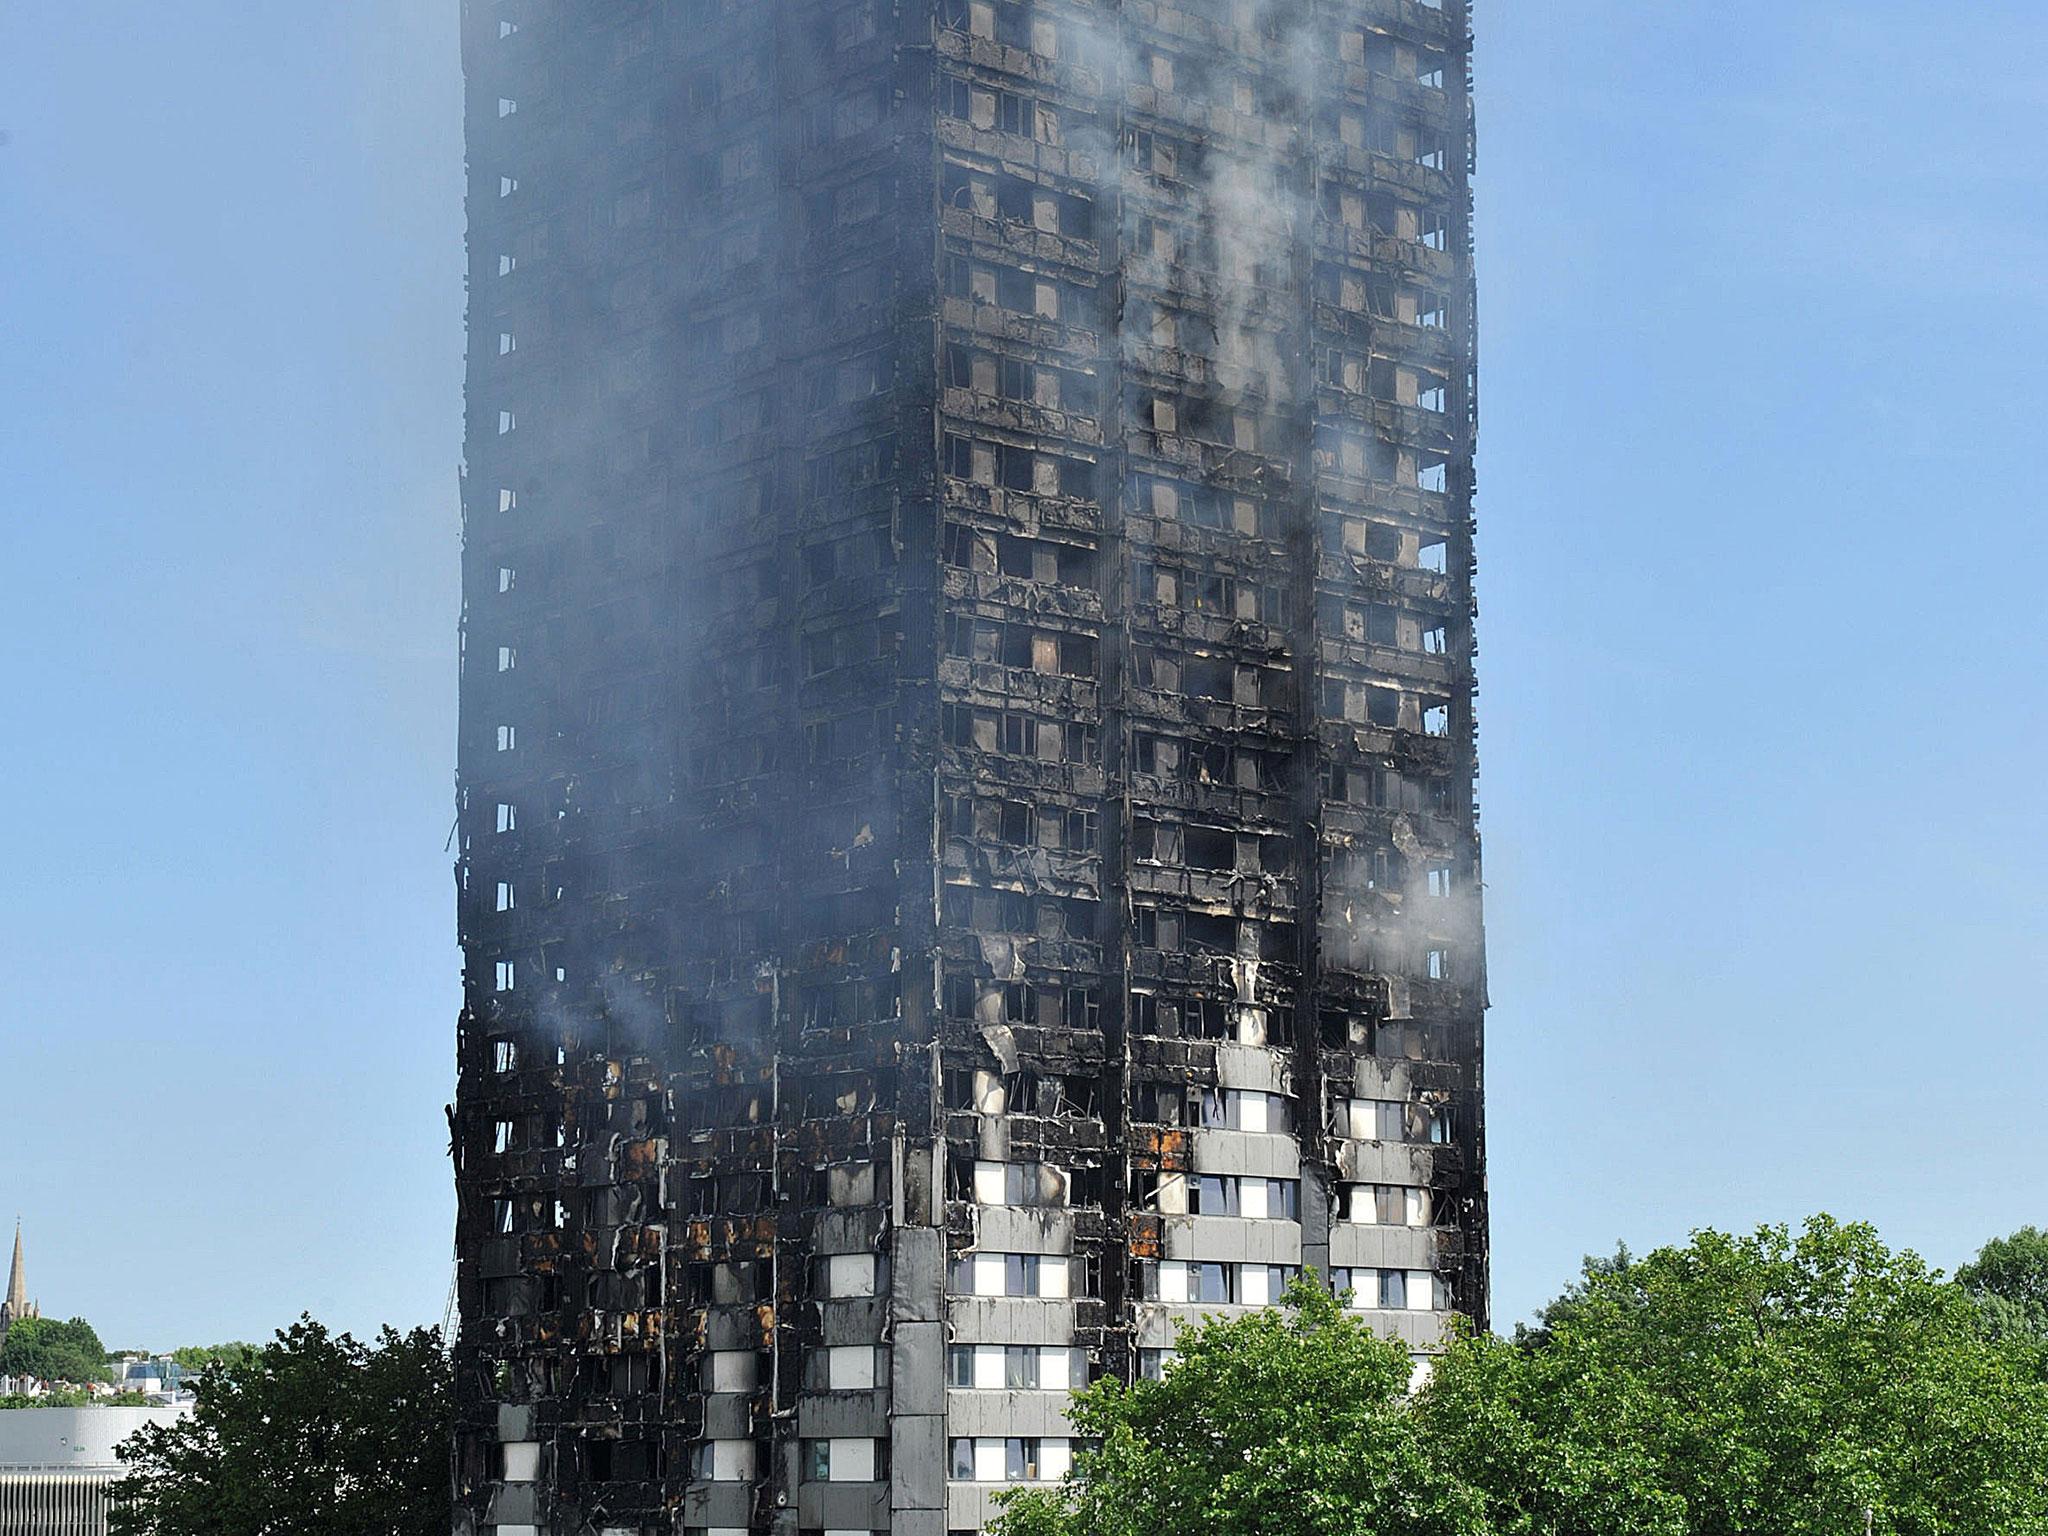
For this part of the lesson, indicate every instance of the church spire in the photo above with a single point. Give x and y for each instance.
(17, 1283)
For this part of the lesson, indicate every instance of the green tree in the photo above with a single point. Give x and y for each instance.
(197, 1357)
(314, 1433)
(2009, 1283)
(76, 1397)
(1290, 1422)
(50, 1350)
(1572, 1300)
(1767, 1384)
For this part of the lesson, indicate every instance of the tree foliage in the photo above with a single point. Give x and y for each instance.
(2009, 1283)
(75, 1397)
(314, 1433)
(1764, 1384)
(197, 1357)
(1268, 1424)
(50, 1350)
(1770, 1385)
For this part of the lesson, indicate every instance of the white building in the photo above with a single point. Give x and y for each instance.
(56, 1465)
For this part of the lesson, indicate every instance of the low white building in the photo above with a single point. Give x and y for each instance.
(56, 1465)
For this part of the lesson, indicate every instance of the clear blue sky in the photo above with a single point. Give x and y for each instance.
(1762, 709)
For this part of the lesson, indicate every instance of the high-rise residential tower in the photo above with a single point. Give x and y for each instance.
(968, 848)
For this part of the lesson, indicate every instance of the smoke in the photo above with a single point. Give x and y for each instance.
(1224, 171)
(1214, 172)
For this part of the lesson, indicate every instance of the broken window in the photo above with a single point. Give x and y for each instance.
(1211, 933)
(1211, 848)
(1209, 677)
(1145, 926)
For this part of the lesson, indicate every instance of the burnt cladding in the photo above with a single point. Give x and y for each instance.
(968, 849)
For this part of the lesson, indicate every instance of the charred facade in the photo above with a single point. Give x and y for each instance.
(968, 853)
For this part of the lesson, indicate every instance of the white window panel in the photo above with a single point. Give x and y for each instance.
(991, 1465)
(990, 1096)
(988, 1182)
(732, 1461)
(849, 1367)
(850, 1274)
(988, 1366)
(853, 1461)
(1173, 1280)
(1058, 1370)
(1248, 1111)
(1362, 1119)
(1421, 1290)
(522, 1461)
(735, 1370)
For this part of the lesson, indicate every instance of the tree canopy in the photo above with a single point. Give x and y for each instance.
(1769, 1383)
(1273, 1422)
(75, 1397)
(50, 1350)
(314, 1433)
(2009, 1282)
(1774, 1384)
(197, 1357)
